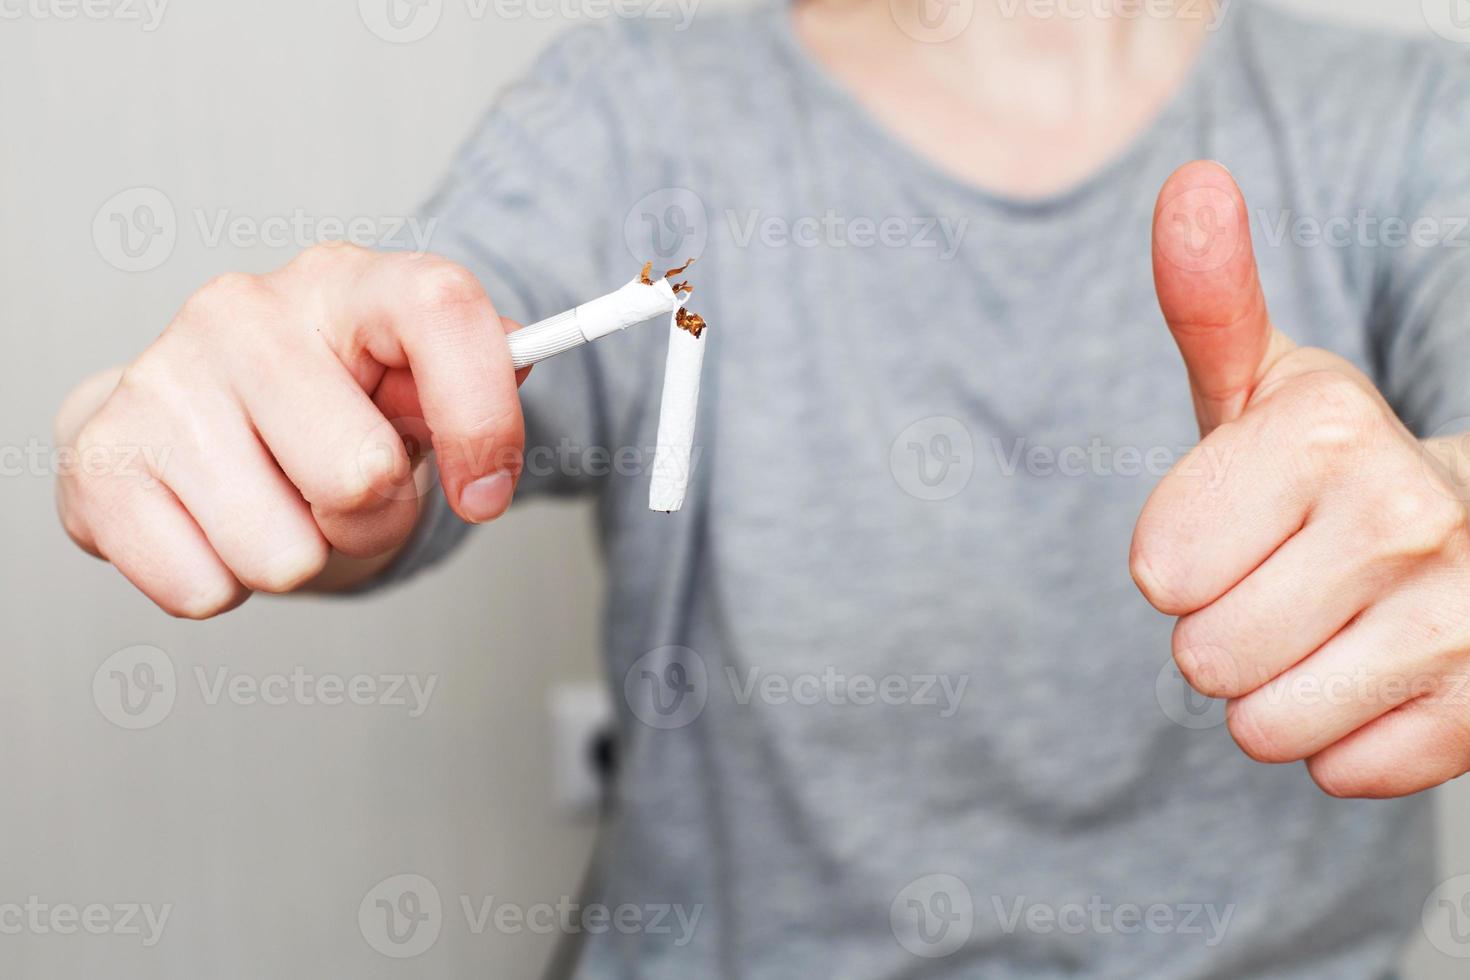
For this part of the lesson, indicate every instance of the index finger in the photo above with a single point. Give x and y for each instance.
(432, 317)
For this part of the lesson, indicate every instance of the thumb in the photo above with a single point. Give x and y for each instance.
(1210, 292)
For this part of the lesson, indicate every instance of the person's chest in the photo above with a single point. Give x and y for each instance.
(927, 402)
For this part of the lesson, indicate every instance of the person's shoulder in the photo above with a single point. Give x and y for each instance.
(665, 80)
(1360, 68)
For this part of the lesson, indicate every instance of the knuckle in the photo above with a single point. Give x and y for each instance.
(1344, 781)
(369, 482)
(224, 299)
(1208, 667)
(150, 376)
(1341, 415)
(1417, 522)
(99, 432)
(325, 256)
(100, 447)
(76, 526)
(204, 600)
(1257, 736)
(439, 286)
(289, 570)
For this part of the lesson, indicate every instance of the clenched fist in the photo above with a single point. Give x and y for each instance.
(1324, 586)
(275, 422)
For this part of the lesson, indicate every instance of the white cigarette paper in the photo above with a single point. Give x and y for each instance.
(674, 452)
(634, 303)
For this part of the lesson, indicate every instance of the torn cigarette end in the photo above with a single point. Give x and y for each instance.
(645, 276)
(692, 322)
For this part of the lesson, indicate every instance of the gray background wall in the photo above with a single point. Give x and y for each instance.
(265, 826)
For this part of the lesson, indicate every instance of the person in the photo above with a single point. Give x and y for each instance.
(890, 703)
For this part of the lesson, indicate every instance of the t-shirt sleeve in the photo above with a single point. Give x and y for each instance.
(1423, 308)
(533, 204)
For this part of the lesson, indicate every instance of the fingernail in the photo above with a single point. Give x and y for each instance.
(487, 498)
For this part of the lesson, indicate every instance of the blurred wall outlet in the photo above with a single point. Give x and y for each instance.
(581, 714)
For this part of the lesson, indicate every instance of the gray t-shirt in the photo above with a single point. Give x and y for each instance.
(889, 703)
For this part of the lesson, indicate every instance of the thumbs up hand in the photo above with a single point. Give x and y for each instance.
(1323, 586)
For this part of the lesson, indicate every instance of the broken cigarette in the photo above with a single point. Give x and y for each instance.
(638, 301)
(674, 449)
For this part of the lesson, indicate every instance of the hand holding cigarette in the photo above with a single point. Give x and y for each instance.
(255, 437)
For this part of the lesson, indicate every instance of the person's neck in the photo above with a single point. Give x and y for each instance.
(1072, 82)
